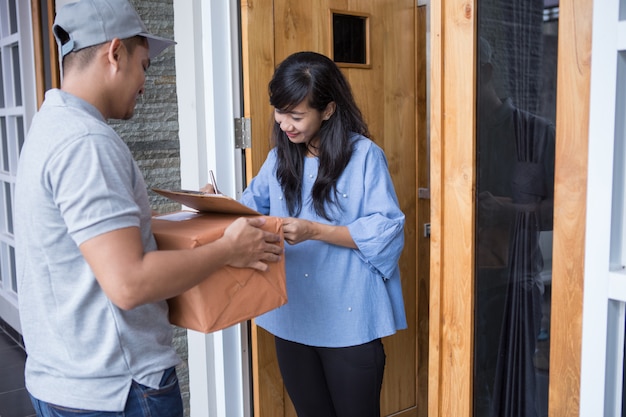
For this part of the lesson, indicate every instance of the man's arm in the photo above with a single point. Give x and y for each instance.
(130, 277)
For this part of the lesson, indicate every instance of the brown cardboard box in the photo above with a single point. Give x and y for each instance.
(230, 295)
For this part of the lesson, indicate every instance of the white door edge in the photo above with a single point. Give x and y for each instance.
(208, 86)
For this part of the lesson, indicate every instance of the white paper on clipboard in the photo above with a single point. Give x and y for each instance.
(208, 203)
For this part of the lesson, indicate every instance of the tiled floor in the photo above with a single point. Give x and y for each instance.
(14, 400)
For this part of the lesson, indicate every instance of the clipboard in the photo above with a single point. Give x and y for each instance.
(207, 203)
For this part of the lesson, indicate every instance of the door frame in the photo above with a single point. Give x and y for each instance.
(604, 301)
(208, 85)
(451, 181)
(261, 54)
(11, 112)
(453, 94)
(452, 144)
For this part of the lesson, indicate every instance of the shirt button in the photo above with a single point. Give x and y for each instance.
(310, 175)
(280, 198)
(349, 308)
(345, 196)
(306, 275)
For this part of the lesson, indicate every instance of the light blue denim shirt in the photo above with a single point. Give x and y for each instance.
(339, 296)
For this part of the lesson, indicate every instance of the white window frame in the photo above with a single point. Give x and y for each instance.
(604, 300)
(11, 112)
(209, 90)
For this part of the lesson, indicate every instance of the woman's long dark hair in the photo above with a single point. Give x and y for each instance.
(315, 78)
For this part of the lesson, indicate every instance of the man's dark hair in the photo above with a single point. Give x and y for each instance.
(83, 57)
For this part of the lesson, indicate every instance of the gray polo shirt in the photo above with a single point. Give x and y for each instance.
(76, 180)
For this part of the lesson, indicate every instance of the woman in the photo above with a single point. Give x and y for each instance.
(344, 234)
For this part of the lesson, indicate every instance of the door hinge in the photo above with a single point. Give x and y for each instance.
(419, 3)
(243, 136)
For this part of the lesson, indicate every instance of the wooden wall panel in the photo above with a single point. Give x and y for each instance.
(452, 188)
(39, 22)
(452, 183)
(258, 66)
(423, 211)
(39, 50)
(436, 155)
(391, 109)
(572, 127)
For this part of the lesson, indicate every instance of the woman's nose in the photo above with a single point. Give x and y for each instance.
(284, 125)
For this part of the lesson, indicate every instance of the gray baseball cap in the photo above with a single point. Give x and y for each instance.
(92, 22)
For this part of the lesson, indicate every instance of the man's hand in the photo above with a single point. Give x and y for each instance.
(131, 277)
(251, 246)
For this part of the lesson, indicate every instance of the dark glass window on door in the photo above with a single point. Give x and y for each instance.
(349, 39)
(516, 108)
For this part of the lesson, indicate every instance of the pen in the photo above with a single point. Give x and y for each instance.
(213, 182)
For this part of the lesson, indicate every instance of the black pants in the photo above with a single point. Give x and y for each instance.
(333, 382)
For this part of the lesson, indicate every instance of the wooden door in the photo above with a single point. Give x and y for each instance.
(390, 89)
(453, 105)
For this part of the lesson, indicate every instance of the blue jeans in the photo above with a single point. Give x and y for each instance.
(142, 401)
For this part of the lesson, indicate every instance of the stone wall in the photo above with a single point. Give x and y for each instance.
(152, 136)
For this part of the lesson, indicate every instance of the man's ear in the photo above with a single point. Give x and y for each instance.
(329, 110)
(114, 51)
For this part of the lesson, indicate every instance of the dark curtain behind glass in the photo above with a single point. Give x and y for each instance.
(515, 189)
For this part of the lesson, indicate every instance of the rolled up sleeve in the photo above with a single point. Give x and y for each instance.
(379, 230)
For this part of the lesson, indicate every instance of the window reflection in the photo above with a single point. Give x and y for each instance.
(516, 87)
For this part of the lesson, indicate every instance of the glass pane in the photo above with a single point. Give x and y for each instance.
(349, 39)
(4, 282)
(2, 104)
(17, 77)
(5, 150)
(13, 17)
(12, 268)
(617, 254)
(21, 136)
(8, 201)
(624, 377)
(516, 107)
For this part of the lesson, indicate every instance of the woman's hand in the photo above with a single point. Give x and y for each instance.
(298, 230)
(208, 189)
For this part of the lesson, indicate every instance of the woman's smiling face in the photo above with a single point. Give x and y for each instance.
(301, 123)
